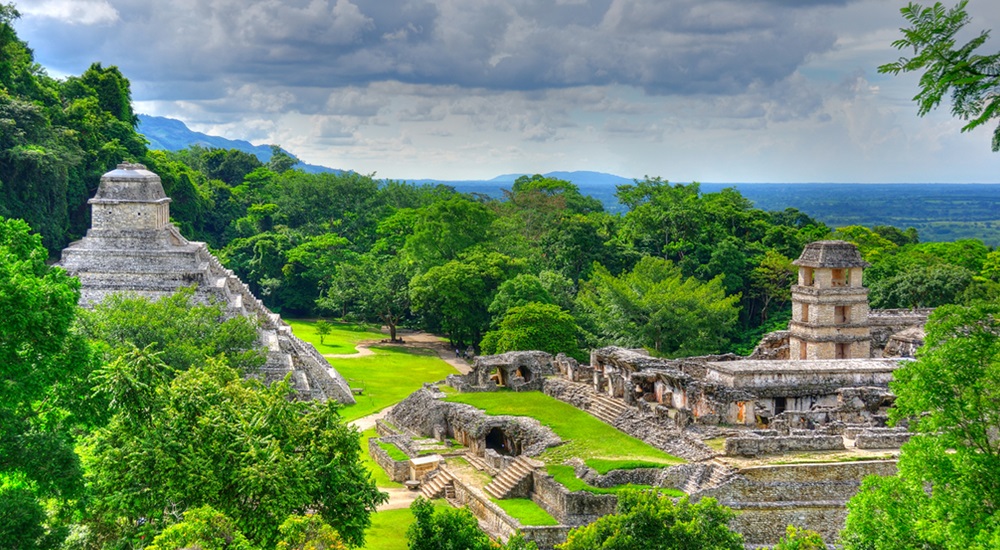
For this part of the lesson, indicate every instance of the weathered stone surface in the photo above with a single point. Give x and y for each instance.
(515, 370)
(881, 440)
(133, 247)
(424, 415)
(810, 496)
(756, 446)
(397, 470)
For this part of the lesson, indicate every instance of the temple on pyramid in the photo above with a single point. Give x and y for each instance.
(132, 247)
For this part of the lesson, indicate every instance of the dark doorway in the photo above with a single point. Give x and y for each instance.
(524, 373)
(780, 405)
(497, 440)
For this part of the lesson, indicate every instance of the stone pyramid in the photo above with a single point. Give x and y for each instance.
(132, 247)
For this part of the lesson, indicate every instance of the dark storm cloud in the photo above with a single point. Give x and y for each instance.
(663, 47)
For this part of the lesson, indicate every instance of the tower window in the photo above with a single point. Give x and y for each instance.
(842, 315)
(839, 277)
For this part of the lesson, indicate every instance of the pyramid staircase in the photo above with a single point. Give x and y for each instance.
(479, 463)
(511, 476)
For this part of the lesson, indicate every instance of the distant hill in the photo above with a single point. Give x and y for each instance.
(170, 134)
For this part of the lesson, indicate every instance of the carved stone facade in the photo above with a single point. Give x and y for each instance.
(132, 247)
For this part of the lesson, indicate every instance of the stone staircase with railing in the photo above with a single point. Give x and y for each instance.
(510, 477)
(442, 484)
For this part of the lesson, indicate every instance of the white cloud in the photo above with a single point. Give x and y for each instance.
(74, 12)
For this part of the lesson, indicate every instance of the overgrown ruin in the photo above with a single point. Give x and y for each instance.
(820, 388)
(132, 247)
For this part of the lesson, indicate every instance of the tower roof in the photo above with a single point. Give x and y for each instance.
(836, 254)
(130, 183)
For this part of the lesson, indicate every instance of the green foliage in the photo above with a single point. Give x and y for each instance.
(604, 466)
(308, 533)
(654, 306)
(565, 475)
(323, 329)
(183, 333)
(800, 539)
(649, 520)
(452, 529)
(202, 528)
(447, 529)
(535, 326)
(43, 365)
(969, 77)
(947, 395)
(248, 451)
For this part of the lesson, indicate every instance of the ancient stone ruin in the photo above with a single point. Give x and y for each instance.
(132, 247)
(820, 387)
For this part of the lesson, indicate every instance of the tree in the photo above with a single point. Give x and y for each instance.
(308, 532)
(971, 78)
(203, 528)
(645, 519)
(800, 539)
(215, 439)
(656, 307)
(947, 494)
(444, 230)
(452, 529)
(323, 329)
(534, 326)
(43, 364)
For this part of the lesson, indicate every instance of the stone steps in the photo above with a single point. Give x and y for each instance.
(479, 463)
(510, 477)
(439, 486)
(607, 409)
(706, 476)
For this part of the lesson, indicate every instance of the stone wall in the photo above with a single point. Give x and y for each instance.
(881, 440)
(578, 508)
(810, 496)
(397, 470)
(756, 446)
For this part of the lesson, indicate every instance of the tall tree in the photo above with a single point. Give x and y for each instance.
(655, 306)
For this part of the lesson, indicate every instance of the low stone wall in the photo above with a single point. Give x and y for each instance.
(397, 470)
(881, 440)
(492, 517)
(756, 446)
(546, 537)
(579, 508)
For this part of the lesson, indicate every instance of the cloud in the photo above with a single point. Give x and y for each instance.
(73, 12)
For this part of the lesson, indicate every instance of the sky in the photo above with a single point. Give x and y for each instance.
(722, 91)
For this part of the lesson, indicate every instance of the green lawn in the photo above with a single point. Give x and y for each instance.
(604, 466)
(388, 529)
(565, 476)
(343, 337)
(388, 377)
(526, 511)
(585, 436)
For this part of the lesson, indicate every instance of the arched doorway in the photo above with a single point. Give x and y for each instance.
(497, 440)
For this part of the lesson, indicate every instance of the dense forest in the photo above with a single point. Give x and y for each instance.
(678, 271)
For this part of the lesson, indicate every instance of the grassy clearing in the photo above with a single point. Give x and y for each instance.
(565, 476)
(388, 529)
(388, 377)
(526, 511)
(378, 474)
(717, 444)
(343, 337)
(604, 466)
(394, 452)
(585, 436)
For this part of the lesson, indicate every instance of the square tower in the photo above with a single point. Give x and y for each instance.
(829, 304)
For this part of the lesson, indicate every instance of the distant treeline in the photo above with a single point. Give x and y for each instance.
(541, 265)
